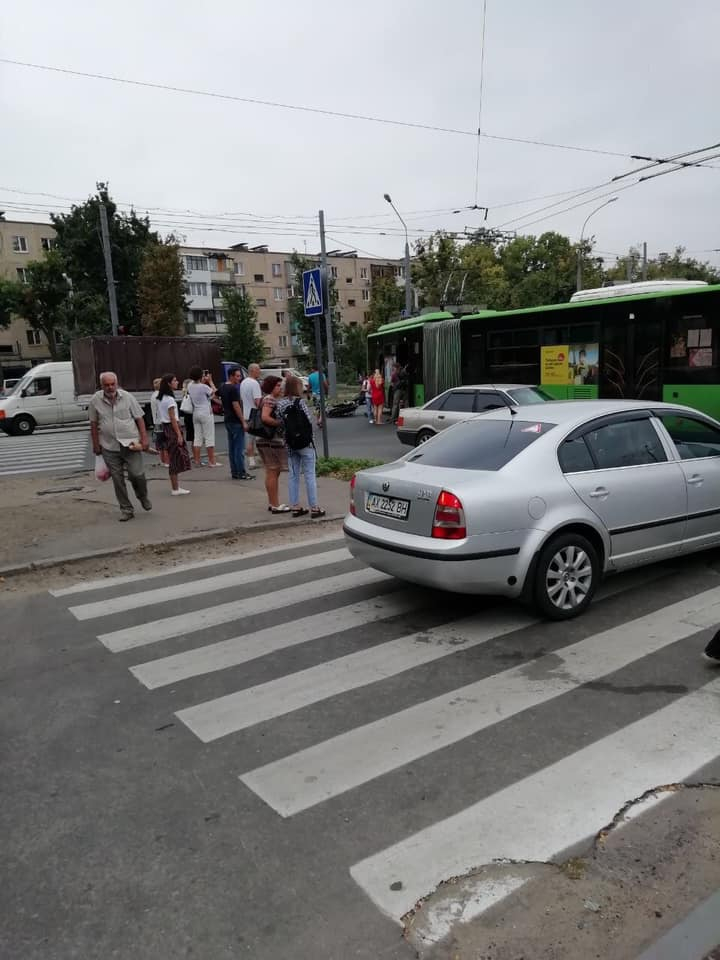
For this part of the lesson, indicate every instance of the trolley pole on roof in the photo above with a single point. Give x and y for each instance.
(592, 213)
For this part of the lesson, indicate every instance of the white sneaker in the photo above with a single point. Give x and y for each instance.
(179, 492)
(216, 464)
(251, 463)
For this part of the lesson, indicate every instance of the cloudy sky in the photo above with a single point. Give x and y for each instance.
(639, 78)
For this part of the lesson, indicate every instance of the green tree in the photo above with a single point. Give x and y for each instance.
(352, 353)
(161, 290)
(9, 298)
(45, 300)
(436, 263)
(243, 342)
(80, 249)
(387, 301)
(666, 266)
(543, 269)
(304, 327)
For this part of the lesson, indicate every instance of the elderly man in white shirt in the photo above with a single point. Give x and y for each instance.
(250, 396)
(117, 428)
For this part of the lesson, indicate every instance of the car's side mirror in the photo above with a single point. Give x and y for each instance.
(24, 393)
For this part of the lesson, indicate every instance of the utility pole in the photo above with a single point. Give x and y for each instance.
(332, 370)
(105, 234)
(644, 262)
(408, 287)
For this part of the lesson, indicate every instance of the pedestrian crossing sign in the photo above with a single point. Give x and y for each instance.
(312, 293)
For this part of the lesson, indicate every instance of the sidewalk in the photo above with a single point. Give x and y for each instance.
(52, 517)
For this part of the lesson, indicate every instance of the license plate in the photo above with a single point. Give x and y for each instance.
(387, 506)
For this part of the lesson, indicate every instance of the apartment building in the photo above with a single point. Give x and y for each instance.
(21, 347)
(269, 278)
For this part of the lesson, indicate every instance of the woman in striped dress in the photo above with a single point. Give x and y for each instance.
(174, 441)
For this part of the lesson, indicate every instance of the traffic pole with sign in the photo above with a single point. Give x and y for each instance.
(332, 370)
(314, 292)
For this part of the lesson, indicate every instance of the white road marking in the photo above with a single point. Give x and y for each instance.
(539, 817)
(187, 623)
(328, 769)
(237, 650)
(194, 588)
(108, 582)
(236, 711)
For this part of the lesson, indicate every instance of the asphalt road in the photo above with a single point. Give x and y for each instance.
(275, 756)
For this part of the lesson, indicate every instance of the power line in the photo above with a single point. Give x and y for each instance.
(308, 109)
(480, 102)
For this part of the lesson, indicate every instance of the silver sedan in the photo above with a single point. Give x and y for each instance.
(416, 425)
(540, 502)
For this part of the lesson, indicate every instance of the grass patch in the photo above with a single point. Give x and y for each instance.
(342, 468)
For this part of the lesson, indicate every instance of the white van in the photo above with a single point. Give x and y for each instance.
(45, 397)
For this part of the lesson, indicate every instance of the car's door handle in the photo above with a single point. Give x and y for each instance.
(695, 479)
(599, 493)
(441, 416)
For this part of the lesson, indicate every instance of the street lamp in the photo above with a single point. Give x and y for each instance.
(580, 251)
(408, 289)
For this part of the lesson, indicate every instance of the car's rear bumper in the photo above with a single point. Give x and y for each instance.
(407, 437)
(492, 564)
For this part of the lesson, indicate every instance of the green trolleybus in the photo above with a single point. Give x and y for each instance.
(656, 340)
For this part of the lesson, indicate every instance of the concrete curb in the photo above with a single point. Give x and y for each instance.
(70, 558)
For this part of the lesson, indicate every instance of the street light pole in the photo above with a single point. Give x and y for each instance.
(408, 288)
(582, 232)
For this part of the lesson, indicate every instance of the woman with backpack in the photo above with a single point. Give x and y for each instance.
(302, 458)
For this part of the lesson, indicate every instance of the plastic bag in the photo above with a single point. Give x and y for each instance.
(186, 405)
(102, 471)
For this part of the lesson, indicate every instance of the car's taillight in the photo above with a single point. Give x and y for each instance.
(449, 519)
(400, 422)
(352, 496)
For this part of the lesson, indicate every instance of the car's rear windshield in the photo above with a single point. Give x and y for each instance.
(526, 395)
(480, 444)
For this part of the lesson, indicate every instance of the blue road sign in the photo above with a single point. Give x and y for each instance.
(312, 293)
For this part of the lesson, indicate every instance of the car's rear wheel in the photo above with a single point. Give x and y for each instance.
(566, 576)
(423, 436)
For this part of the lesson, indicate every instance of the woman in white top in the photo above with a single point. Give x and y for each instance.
(178, 456)
(201, 389)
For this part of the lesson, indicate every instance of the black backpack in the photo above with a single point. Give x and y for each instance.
(298, 429)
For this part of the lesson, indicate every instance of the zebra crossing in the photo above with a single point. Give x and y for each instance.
(44, 452)
(528, 735)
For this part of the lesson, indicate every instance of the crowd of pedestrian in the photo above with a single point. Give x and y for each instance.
(266, 420)
(374, 389)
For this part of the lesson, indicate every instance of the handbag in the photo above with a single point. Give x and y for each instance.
(186, 406)
(257, 428)
(216, 405)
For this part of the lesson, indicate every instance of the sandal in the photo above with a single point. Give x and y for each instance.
(283, 508)
(316, 512)
(300, 512)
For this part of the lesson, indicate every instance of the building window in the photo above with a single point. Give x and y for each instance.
(366, 316)
(264, 327)
(22, 275)
(333, 270)
(47, 243)
(220, 265)
(199, 316)
(363, 273)
(279, 293)
(282, 340)
(261, 302)
(280, 317)
(399, 271)
(219, 316)
(277, 269)
(197, 289)
(33, 337)
(239, 269)
(353, 323)
(366, 295)
(351, 303)
(19, 244)
(259, 278)
(196, 263)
